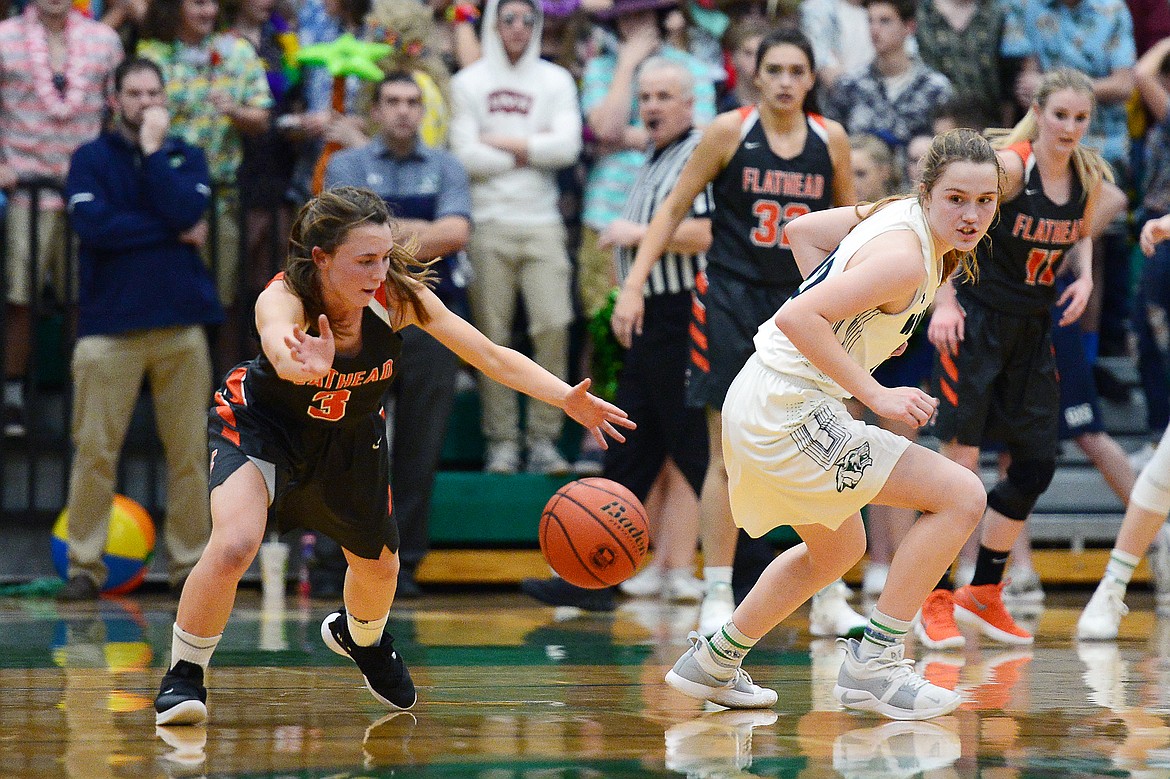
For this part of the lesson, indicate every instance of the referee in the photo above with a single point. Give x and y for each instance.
(652, 381)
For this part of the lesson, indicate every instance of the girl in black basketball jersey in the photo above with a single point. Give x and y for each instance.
(298, 434)
(995, 370)
(768, 164)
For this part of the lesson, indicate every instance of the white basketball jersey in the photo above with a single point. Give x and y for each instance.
(871, 336)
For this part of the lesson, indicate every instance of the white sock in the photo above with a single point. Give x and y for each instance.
(729, 646)
(881, 632)
(716, 574)
(366, 633)
(192, 648)
(1120, 568)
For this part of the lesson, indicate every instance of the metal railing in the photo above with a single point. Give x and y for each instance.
(34, 468)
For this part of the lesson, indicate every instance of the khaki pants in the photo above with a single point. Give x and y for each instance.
(532, 260)
(222, 255)
(52, 267)
(107, 373)
(596, 273)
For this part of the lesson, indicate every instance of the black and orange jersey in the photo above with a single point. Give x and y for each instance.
(758, 193)
(1019, 260)
(352, 390)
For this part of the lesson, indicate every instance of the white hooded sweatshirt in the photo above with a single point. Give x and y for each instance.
(534, 99)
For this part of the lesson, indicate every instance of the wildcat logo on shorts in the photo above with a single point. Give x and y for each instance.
(851, 467)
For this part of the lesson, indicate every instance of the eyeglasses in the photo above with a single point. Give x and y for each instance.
(528, 20)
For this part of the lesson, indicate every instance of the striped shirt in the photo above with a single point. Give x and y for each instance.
(674, 273)
(39, 127)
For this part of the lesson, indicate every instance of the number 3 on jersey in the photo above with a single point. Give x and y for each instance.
(330, 405)
(770, 220)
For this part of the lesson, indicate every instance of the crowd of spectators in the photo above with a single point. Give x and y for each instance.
(536, 100)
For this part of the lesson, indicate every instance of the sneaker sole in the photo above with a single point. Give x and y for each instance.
(954, 642)
(185, 713)
(968, 617)
(331, 642)
(704, 693)
(878, 706)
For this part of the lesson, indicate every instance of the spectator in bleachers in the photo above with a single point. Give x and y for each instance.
(961, 40)
(137, 198)
(319, 21)
(895, 96)
(610, 103)
(515, 124)
(839, 32)
(217, 93)
(428, 192)
(410, 29)
(266, 168)
(743, 41)
(1095, 37)
(54, 64)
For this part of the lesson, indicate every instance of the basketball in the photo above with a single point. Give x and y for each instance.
(129, 546)
(593, 533)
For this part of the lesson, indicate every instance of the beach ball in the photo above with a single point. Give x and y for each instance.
(129, 545)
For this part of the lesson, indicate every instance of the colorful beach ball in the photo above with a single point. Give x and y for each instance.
(129, 546)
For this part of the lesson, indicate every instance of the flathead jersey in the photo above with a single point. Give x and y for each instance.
(1018, 266)
(871, 336)
(758, 193)
(351, 391)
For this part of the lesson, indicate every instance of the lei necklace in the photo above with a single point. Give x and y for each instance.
(42, 71)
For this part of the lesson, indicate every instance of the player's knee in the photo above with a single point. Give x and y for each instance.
(1016, 495)
(235, 553)
(968, 496)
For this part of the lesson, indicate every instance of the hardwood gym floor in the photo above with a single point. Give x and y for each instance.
(508, 689)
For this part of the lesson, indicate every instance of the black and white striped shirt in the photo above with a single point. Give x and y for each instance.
(674, 273)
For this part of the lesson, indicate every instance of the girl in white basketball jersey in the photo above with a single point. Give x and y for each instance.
(1145, 516)
(795, 455)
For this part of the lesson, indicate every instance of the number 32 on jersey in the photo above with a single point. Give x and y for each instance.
(770, 220)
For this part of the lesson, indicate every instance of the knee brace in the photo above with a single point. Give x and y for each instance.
(1016, 496)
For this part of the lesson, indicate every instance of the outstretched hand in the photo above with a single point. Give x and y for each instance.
(597, 416)
(908, 405)
(313, 354)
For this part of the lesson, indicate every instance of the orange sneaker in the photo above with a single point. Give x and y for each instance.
(936, 628)
(983, 608)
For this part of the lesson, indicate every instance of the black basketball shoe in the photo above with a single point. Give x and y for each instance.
(385, 673)
(182, 698)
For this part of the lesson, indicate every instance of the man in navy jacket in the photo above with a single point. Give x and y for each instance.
(136, 198)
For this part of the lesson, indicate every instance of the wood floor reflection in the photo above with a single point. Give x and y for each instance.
(508, 690)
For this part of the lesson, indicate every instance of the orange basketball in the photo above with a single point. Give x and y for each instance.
(593, 533)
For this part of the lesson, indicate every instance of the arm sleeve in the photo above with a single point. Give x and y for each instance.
(342, 170)
(455, 190)
(177, 185)
(99, 223)
(560, 145)
(479, 159)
